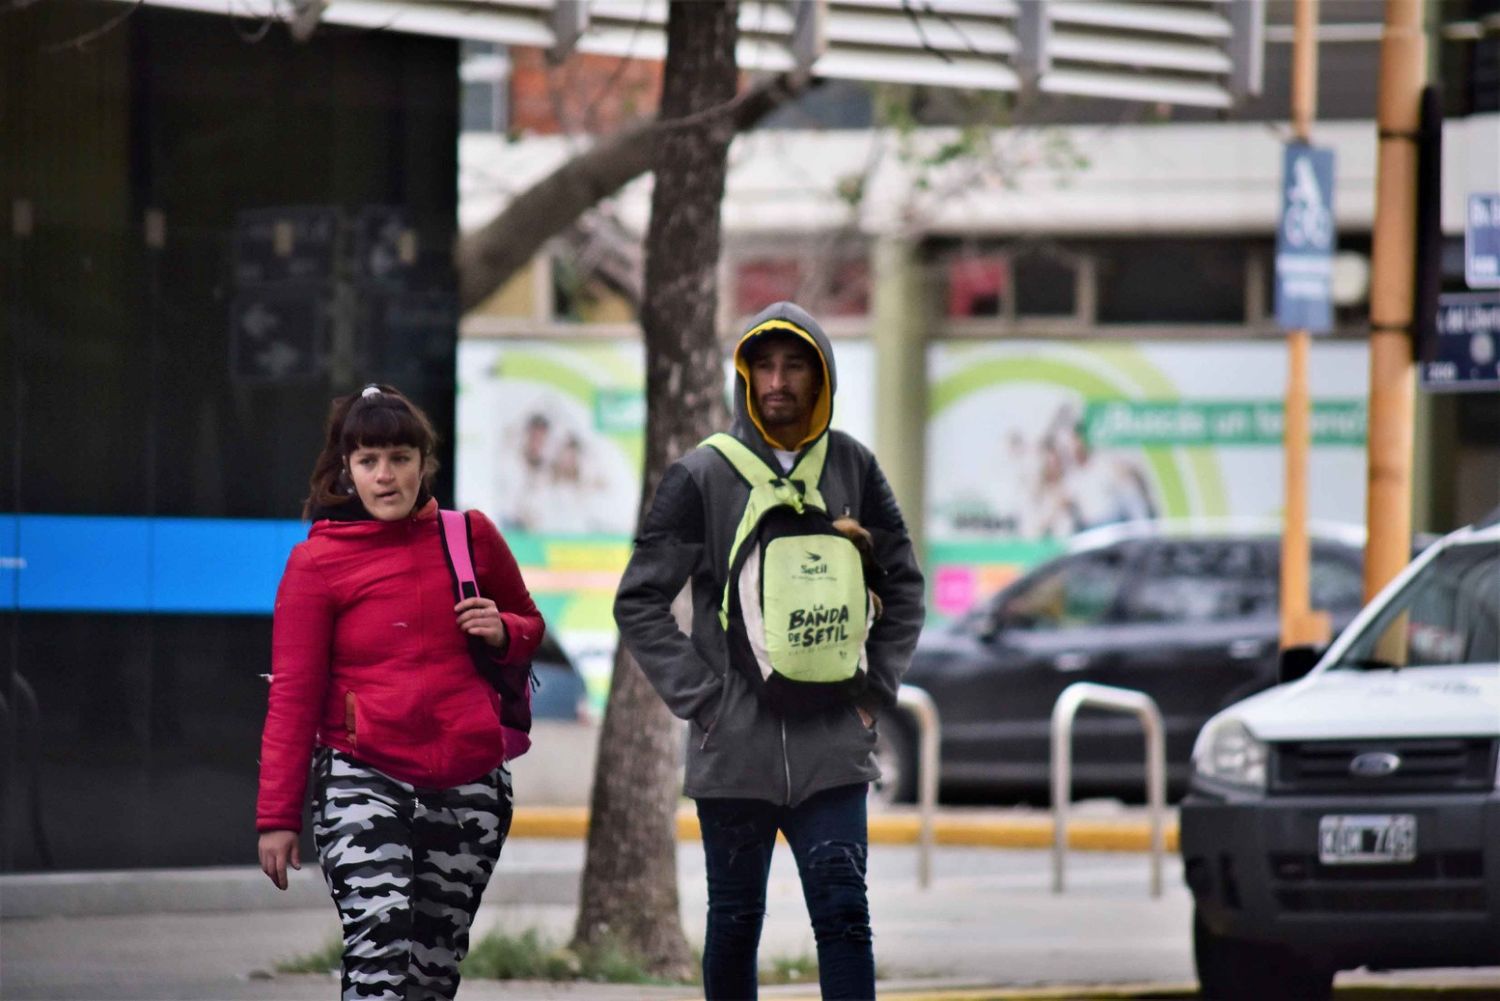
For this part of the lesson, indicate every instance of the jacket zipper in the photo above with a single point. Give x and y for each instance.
(786, 761)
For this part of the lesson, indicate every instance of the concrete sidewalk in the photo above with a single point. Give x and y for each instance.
(988, 920)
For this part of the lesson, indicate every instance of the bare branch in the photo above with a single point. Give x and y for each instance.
(304, 20)
(489, 256)
(83, 41)
(916, 22)
(605, 251)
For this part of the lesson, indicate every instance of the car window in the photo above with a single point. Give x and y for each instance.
(1080, 590)
(1201, 581)
(1335, 581)
(1448, 614)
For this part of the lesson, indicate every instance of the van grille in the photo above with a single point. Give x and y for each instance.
(1440, 881)
(1403, 900)
(1449, 765)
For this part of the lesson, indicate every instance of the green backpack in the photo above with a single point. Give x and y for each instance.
(796, 605)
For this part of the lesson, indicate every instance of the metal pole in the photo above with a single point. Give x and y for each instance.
(1062, 777)
(1298, 626)
(1073, 698)
(1403, 58)
(920, 704)
(898, 334)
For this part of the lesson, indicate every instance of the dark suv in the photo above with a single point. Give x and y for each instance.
(1186, 612)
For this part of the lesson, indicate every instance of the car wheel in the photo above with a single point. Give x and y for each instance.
(895, 754)
(1231, 969)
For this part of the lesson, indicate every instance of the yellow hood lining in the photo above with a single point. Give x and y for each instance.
(822, 407)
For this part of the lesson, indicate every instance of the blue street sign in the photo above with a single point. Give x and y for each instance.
(1463, 355)
(1482, 241)
(1305, 241)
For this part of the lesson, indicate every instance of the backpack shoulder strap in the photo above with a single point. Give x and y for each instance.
(751, 467)
(458, 548)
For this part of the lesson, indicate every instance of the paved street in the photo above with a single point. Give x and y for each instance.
(989, 918)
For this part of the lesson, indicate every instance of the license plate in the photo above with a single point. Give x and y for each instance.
(1367, 838)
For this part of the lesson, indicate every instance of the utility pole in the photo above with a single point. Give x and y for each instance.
(1299, 624)
(1403, 71)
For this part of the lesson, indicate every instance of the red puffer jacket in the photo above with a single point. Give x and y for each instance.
(367, 657)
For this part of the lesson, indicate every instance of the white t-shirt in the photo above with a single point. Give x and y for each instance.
(785, 458)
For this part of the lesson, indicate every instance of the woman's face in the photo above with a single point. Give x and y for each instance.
(387, 479)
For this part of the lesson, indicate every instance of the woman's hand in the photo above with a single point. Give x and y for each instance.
(479, 617)
(277, 848)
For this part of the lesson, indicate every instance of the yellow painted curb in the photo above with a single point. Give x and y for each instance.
(1063, 992)
(982, 832)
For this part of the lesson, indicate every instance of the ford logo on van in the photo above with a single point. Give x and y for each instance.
(1375, 764)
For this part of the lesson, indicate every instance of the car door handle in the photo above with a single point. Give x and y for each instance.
(1246, 649)
(1071, 661)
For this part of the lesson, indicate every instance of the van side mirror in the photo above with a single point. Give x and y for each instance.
(1297, 661)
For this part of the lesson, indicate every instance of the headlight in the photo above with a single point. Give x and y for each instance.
(1228, 752)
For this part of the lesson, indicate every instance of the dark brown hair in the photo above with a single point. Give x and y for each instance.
(377, 416)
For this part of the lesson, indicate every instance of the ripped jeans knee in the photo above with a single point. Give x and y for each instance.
(834, 878)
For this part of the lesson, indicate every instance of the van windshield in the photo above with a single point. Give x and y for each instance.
(1448, 614)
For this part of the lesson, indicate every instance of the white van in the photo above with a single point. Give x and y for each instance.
(1352, 817)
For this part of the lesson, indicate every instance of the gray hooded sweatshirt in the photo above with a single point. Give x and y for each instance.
(737, 747)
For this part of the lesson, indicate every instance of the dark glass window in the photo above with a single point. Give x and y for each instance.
(479, 106)
(1201, 581)
(1335, 582)
(1045, 286)
(188, 378)
(1448, 614)
(1171, 281)
(485, 71)
(1082, 590)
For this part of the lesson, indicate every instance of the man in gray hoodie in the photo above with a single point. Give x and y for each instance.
(753, 772)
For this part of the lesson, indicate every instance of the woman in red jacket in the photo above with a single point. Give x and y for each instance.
(374, 680)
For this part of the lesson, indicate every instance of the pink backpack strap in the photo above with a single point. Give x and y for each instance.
(515, 712)
(455, 527)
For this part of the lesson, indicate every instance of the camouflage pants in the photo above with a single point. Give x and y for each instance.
(406, 867)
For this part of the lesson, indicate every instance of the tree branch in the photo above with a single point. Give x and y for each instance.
(487, 257)
(607, 253)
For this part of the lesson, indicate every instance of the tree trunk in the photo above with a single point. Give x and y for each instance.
(629, 891)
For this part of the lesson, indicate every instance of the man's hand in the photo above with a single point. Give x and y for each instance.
(277, 849)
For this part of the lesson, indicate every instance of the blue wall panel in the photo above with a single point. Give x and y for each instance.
(206, 566)
(85, 563)
(197, 566)
(10, 560)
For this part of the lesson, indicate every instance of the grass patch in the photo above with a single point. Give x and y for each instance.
(325, 960)
(532, 956)
(801, 969)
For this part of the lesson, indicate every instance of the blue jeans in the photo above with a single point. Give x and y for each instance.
(829, 839)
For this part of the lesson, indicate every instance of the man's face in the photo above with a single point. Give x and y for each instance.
(784, 381)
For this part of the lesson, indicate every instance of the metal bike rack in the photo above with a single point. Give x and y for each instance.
(1127, 700)
(920, 705)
